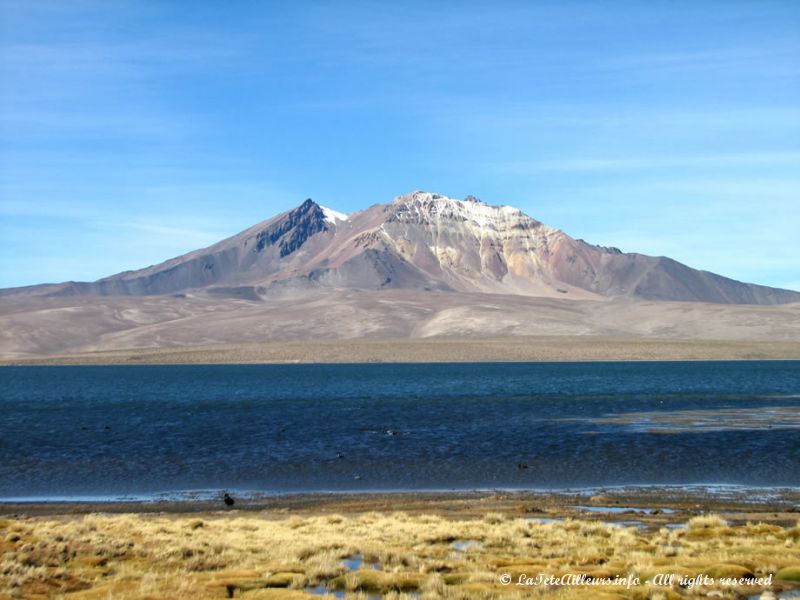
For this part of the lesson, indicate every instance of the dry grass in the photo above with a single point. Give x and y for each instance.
(268, 555)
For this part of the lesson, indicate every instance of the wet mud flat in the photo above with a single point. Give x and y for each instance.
(651, 505)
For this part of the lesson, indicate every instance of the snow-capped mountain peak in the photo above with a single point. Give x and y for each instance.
(332, 216)
(431, 206)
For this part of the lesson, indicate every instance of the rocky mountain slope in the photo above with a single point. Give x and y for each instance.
(420, 241)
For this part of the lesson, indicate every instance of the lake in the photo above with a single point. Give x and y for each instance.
(109, 431)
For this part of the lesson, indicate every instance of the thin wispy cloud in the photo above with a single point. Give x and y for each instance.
(660, 162)
(769, 55)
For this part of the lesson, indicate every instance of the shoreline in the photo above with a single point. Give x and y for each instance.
(436, 350)
(683, 498)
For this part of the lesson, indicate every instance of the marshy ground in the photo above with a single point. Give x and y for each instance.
(400, 546)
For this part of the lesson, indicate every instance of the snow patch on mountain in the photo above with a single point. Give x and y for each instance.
(434, 207)
(331, 216)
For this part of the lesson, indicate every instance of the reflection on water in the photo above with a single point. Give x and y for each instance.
(466, 545)
(545, 519)
(356, 562)
(323, 590)
(623, 509)
(698, 421)
(137, 430)
(629, 523)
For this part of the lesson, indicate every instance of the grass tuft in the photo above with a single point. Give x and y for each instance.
(274, 555)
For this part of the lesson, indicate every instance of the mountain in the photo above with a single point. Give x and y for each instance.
(421, 241)
(423, 266)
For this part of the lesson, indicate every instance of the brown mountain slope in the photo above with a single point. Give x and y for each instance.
(420, 241)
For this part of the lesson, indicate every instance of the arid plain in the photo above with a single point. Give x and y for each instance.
(387, 326)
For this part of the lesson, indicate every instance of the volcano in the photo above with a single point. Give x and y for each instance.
(424, 264)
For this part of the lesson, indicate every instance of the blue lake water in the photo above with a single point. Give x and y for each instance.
(118, 430)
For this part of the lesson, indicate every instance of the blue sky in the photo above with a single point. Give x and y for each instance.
(131, 132)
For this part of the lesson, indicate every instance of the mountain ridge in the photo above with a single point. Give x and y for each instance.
(422, 241)
(423, 266)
